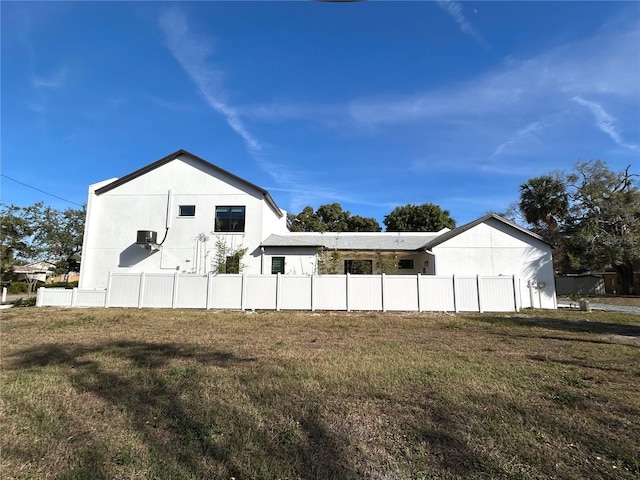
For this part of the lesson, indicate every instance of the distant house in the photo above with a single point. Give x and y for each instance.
(184, 214)
(37, 272)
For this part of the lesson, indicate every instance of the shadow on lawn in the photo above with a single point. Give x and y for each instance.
(574, 326)
(168, 413)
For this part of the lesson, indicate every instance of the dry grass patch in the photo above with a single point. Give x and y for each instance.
(122, 393)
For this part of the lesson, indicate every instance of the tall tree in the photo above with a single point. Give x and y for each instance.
(39, 232)
(15, 233)
(418, 218)
(58, 236)
(604, 227)
(330, 218)
(544, 203)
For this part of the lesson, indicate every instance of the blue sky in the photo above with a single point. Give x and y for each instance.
(368, 104)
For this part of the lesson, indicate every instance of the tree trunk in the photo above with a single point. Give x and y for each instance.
(624, 273)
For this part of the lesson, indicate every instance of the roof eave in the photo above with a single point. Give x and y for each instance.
(173, 156)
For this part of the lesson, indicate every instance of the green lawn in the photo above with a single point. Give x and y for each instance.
(124, 393)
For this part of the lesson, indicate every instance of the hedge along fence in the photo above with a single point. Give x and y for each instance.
(296, 292)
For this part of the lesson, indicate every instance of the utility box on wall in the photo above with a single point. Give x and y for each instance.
(146, 237)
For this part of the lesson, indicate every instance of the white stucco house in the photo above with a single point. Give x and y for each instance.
(175, 214)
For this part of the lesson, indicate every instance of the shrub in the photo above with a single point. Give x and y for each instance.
(24, 302)
(18, 287)
(61, 285)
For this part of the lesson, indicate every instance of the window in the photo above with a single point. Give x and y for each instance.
(358, 267)
(405, 264)
(277, 265)
(232, 264)
(187, 211)
(229, 219)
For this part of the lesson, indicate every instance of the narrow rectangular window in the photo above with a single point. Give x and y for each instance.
(187, 211)
(277, 265)
(232, 265)
(358, 267)
(230, 219)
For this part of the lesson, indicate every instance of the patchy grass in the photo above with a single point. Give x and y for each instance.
(167, 394)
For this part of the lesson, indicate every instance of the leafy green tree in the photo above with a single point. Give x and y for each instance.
(330, 218)
(604, 225)
(418, 218)
(40, 232)
(15, 233)
(58, 236)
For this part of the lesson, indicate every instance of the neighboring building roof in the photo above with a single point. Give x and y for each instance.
(38, 267)
(390, 241)
(467, 226)
(173, 156)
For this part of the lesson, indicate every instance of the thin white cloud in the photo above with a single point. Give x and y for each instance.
(192, 53)
(454, 9)
(605, 122)
(53, 80)
(524, 136)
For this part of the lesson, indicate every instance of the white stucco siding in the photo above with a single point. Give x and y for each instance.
(297, 261)
(151, 202)
(493, 248)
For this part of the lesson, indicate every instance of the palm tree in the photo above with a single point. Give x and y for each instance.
(544, 203)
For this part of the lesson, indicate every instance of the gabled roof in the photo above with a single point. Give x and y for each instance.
(173, 156)
(388, 241)
(467, 226)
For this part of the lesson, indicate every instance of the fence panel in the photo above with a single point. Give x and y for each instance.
(467, 294)
(225, 291)
(497, 294)
(260, 292)
(365, 292)
(436, 294)
(54, 297)
(90, 298)
(191, 291)
(157, 290)
(401, 293)
(124, 290)
(294, 292)
(330, 292)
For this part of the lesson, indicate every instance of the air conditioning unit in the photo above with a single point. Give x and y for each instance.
(147, 237)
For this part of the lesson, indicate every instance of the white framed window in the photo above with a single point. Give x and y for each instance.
(187, 211)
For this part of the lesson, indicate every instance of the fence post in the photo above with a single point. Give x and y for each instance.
(243, 285)
(39, 295)
(313, 291)
(348, 292)
(141, 290)
(74, 297)
(480, 309)
(382, 285)
(455, 300)
(278, 285)
(207, 303)
(107, 294)
(174, 298)
(419, 283)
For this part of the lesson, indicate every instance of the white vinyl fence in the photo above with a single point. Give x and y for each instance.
(296, 292)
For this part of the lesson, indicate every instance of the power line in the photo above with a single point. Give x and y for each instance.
(41, 191)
